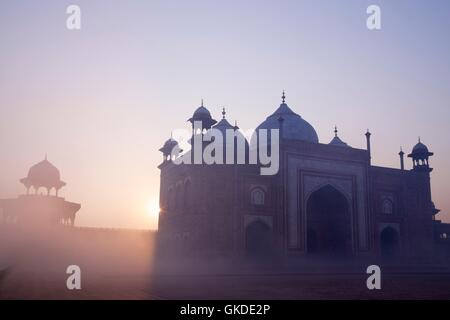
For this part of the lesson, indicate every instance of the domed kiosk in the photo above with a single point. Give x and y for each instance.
(43, 174)
(37, 207)
(420, 156)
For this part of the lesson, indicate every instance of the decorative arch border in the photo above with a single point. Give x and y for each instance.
(298, 166)
(395, 226)
(348, 196)
(249, 219)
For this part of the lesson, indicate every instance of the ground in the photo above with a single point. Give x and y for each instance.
(230, 286)
(124, 265)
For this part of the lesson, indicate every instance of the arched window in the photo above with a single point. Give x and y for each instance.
(387, 207)
(257, 197)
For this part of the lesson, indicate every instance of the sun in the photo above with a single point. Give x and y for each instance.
(153, 208)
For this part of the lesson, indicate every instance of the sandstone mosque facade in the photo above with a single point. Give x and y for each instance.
(326, 199)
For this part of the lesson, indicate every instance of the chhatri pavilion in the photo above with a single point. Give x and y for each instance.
(41, 205)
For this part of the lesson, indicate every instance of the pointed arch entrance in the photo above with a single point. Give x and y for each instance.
(328, 216)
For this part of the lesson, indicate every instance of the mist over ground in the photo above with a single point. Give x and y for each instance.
(125, 264)
(39, 257)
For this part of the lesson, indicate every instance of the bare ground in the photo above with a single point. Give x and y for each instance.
(241, 287)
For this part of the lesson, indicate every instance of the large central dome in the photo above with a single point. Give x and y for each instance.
(294, 127)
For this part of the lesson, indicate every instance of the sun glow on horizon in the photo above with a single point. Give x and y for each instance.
(153, 208)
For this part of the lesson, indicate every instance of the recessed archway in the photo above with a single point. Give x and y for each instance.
(329, 229)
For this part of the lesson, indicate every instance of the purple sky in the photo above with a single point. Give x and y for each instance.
(102, 100)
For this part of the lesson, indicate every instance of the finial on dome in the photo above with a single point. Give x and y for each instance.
(419, 139)
(223, 113)
(202, 103)
(283, 97)
(335, 131)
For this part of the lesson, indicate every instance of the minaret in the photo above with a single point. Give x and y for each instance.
(368, 134)
(402, 161)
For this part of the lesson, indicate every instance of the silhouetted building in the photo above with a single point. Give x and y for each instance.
(327, 198)
(37, 207)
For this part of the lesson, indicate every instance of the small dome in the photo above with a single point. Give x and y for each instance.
(294, 127)
(420, 151)
(420, 148)
(239, 141)
(168, 146)
(170, 143)
(204, 116)
(337, 141)
(201, 112)
(43, 174)
(223, 125)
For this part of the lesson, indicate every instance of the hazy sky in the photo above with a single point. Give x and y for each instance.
(101, 101)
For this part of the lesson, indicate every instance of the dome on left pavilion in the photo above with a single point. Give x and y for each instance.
(43, 174)
(168, 146)
(202, 115)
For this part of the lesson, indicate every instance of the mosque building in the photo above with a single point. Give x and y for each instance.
(326, 199)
